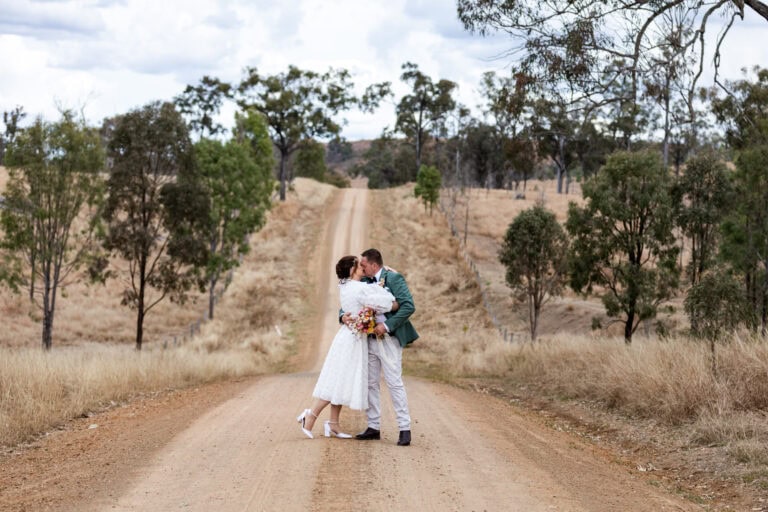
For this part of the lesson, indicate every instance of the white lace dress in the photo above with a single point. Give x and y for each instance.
(344, 377)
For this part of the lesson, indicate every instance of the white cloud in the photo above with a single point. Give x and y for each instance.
(48, 21)
(116, 55)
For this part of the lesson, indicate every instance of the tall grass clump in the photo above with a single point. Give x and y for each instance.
(39, 390)
(669, 380)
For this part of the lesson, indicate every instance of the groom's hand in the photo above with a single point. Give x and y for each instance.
(380, 329)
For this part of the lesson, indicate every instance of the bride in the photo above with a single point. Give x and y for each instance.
(343, 379)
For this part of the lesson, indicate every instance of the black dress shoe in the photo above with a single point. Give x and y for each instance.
(370, 433)
(405, 438)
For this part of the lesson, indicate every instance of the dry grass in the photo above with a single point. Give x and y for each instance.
(487, 217)
(456, 336)
(252, 332)
(39, 391)
(666, 381)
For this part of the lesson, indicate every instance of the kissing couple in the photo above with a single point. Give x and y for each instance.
(376, 306)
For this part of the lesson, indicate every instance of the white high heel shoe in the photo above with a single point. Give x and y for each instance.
(302, 418)
(329, 432)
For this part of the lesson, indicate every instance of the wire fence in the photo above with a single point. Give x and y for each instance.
(179, 337)
(489, 307)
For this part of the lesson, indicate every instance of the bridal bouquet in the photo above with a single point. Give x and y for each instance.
(364, 322)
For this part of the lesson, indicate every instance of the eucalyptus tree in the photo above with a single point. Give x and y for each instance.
(157, 210)
(742, 111)
(622, 239)
(506, 104)
(237, 176)
(424, 108)
(553, 127)
(566, 43)
(535, 254)
(309, 161)
(51, 208)
(428, 183)
(745, 230)
(703, 196)
(480, 154)
(202, 102)
(667, 82)
(300, 105)
(11, 120)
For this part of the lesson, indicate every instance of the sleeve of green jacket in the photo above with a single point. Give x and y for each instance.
(397, 285)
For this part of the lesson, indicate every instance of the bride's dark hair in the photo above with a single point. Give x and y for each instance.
(345, 266)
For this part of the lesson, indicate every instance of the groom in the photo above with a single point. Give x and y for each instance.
(387, 353)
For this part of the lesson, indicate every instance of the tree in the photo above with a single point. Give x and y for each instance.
(480, 153)
(715, 305)
(506, 104)
(301, 105)
(566, 43)
(338, 150)
(387, 162)
(51, 208)
(703, 195)
(11, 120)
(535, 251)
(742, 112)
(590, 147)
(428, 186)
(202, 102)
(309, 161)
(667, 82)
(157, 211)
(239, 185)
(424, 108)
(745, 230)
(553, 129)
(622, 238)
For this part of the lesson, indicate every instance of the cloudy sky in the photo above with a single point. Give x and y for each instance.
(109, 56)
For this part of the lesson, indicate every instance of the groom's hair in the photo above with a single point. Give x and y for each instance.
(374, 256)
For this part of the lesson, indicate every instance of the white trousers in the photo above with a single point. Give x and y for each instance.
(386, 355)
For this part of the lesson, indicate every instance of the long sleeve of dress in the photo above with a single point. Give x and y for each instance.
(376, 297)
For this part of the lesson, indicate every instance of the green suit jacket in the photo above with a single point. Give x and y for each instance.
(399, 323)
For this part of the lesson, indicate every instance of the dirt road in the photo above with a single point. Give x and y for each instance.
(470, 451)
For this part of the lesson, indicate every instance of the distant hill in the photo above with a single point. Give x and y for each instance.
(343, 164)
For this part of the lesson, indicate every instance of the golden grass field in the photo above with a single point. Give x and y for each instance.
(667, 382)
(93, 363)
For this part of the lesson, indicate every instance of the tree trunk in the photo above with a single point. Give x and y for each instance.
(212, 295)
(666, 120)
(47, 315)
(560, 163)
(533, 317)
(139, 326)
(418, 151)
(140, 306)
(628, 327)
(32, 262)
(466, 220)
(283, 158)
(764, 301)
